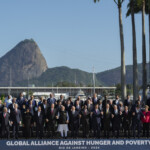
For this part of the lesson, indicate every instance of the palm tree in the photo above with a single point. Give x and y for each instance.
(131, 6)
(142, 3)
(148, 13)
(123, 68)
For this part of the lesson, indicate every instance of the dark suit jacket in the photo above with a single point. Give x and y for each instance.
(51, 116)
(128, 103)
(80, 103)
(126, 119)
(90, 108)
(68, 108)
(107, 119)
(39, 119)
(5, 120)
(95, 101)
(137, 117)
(33, 109)
(104, 104)
(74, 118)
(11, 107)
(15, 117)
(96, 117)
(78, 109)
(116, 120)
(85, 117)
(44, 110)
(20, 101)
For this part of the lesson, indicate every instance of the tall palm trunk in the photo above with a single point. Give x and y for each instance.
(149, 44)
(135, 68)
(123, 70)
(144, 52)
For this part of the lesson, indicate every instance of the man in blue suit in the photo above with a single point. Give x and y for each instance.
(96, 121)
(136, 120)
(51, 100)
(15, 117)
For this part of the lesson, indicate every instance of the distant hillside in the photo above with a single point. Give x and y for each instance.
(25, 61)
(61, 74)
(113, 76)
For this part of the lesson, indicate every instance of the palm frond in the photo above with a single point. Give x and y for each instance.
(96, 1)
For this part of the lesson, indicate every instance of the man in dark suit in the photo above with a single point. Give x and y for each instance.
(95, 99)
(116, 121)
(85, 121)
(62, 100)
(68, 106)
(12, 105)
(78, 107)
(5, 123)
(116, 101)
(41, 101)
(136, 115)
(20, 100)
(105, 102)
(33, 101)
(58, 106)
(80, 102)
(90, 108)
(32, 107)
(74, 122)
(126, 116)
(15, 117)
(33, 110)
(140, 102)
(39, 121)
(128, 102)
(45, 107)
(107, 120)
(51, 120)
(96, 121)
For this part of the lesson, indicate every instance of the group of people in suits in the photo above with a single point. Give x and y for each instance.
(93, 117)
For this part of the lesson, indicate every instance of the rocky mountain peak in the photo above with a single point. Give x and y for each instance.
(24, 61)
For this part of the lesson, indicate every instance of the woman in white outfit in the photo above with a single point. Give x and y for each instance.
(63, 120)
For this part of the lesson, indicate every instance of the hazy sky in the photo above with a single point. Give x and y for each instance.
(74, 33)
